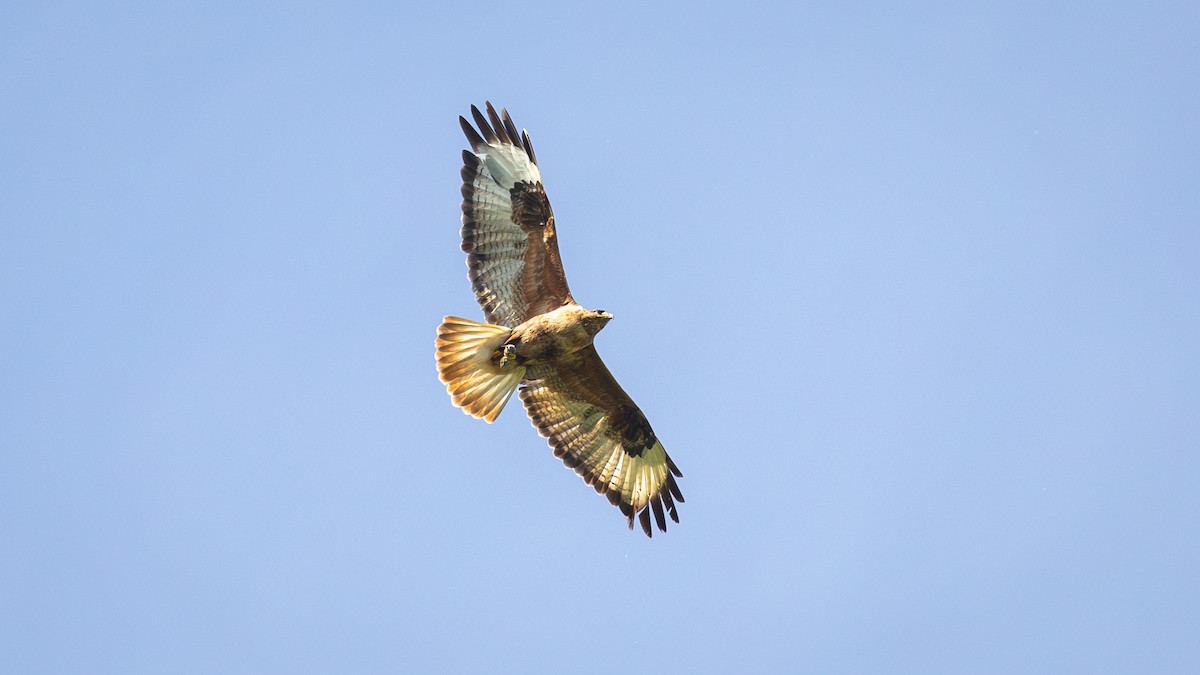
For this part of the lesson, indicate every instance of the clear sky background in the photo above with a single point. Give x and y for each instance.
(911, 292)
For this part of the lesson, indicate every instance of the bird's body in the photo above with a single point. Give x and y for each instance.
(538, 338)
(555, 335)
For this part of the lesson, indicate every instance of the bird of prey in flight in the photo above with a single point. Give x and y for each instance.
(537, 337)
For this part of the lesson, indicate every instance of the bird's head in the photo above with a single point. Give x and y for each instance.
(594, 320)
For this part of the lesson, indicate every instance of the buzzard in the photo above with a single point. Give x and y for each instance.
(536, 335)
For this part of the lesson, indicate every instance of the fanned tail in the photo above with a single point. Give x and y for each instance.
(465, 364)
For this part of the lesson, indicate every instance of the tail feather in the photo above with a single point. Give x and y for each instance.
(464, 362)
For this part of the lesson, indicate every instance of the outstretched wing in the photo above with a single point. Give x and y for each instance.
(508, 227)
(596, 429)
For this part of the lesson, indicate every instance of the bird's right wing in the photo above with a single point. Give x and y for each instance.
(507, 224)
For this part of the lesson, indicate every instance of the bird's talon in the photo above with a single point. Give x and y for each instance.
(508, 354)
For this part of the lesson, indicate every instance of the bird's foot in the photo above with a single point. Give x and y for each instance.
(507, 354)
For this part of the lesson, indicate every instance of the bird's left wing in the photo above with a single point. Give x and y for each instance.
(596, 429)
(507, 224)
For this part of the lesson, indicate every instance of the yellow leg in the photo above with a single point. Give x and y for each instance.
(506, 355)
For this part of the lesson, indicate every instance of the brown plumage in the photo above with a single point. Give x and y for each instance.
(537, 337)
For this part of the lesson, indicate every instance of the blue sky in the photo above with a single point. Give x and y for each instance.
(909, 291)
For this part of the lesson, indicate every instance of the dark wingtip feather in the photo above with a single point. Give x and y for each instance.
(484, 127)
(473, 136)
(528, 146)
(674, 488)
(670, 504)
(674, 469)
(644, 519)
(509, 127)
(659, 518)
(497, 124)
